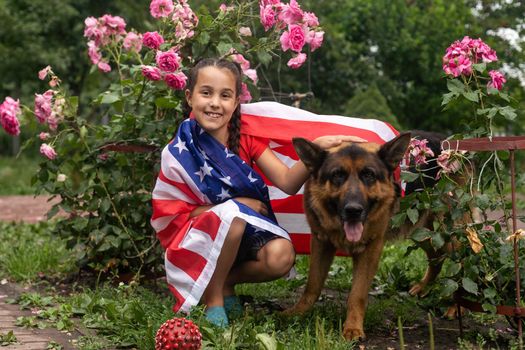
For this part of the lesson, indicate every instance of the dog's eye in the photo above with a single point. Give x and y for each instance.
(368, 176)
(338, 177)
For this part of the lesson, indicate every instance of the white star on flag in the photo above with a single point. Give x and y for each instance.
(226, 180)
(206, 169)
(228, 154)
(251, 178)
(201, 175)
(224, 194)
(181, 145)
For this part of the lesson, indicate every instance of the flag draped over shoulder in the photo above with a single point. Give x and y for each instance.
(280, 123)
(197, 170)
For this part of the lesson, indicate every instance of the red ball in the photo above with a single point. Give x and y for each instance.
(178, 333)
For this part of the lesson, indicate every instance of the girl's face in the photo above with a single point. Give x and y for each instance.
(213, 100)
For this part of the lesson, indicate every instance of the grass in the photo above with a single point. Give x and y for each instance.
(128, 315)
(16, 174)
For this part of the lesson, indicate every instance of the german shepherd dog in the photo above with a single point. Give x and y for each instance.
(348, 200)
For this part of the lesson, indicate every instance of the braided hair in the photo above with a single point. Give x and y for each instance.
(234, 127)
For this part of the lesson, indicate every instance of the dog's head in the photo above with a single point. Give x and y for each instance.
(352, 182)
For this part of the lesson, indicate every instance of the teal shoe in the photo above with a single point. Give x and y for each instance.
(233, 306)
(217, 316)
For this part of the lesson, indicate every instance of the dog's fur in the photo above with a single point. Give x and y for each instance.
(349, 200)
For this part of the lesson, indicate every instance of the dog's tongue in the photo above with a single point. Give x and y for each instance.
(353, 231)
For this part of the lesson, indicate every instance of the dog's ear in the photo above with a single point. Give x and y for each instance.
(312, 155)
(393, 151)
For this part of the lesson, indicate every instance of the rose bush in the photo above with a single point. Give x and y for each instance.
(104, 172)
(478, 256)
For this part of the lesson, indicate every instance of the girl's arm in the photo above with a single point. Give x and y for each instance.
(290, 180)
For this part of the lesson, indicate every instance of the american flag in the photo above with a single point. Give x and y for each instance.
(196, 170)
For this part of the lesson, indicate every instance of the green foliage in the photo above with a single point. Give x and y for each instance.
(8, 338)
(16, 174)
(30, 252)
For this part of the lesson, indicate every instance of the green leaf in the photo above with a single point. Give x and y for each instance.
(223, 48)
(109, 98)
(204, 38)
(268, 342)
(264, 57)
(398, 219)
(166, 102)
(409, 176)
(413, 215)
(480, 67)
(455, 85)
(437, 240)
(489, 308)
(471, 96)
(489, 293)
(83, 131)
(449, 97)
(449, 287)
(508, 112)
(420, 234)
(453, 269)
(469, 285)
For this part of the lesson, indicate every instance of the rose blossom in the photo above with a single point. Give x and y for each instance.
(176, 81)
(161, 8)
(497, 80)
(48, 151)
(93, 52)
(43, 136)
(113, 25)
(153, 40)
(447, 164)
(224, 8)
(245, 94)
(43, 106)
(310, 19)
(297, 61)
(168, 61)
(420, 151)
(151, 73)
(243, 62)
(267, 15)
(315, 39)
(252, 74)
(61, 177)
(42, 74)
(104, 66)
(291, 13)
(9, 109)
(245, 31)
(132, 42)
(293, 39)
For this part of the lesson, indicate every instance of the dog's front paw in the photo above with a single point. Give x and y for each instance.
(417, 289)
(353, 333)
(297, 309)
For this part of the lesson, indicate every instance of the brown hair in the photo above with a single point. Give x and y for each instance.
(234, 128)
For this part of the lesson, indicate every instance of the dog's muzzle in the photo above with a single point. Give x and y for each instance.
(354, 215)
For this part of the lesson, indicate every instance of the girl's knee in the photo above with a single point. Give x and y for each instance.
(279, 256)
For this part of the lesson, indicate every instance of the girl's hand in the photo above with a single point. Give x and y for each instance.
(330, 141)
(255, 204)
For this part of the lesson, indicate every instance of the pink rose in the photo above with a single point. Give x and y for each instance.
(9, 110)
(461, 65)
(245, 94)
(48, 151)
(497, 80)
(252, 74)
(419, 150)
(243, 62)
(168, 61)
(310, 19)
(161, 8)
(151, 73)
(93, 30)
(42, 74)
(267, 16)
(132, 42)
(447, 163)
(153, 40)
(291, 13)
(104, 67)
(224, 8)
(93, 52)
(297, 61)
(293, 39)
(114, 25)
(315, 39)
(176, 81)
(43, 106)
(245, 31)
(43, 136)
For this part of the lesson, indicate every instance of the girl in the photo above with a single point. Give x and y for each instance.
(211, 210)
